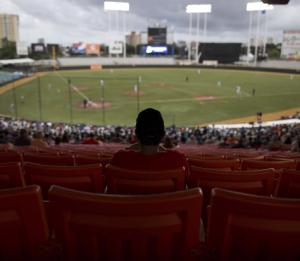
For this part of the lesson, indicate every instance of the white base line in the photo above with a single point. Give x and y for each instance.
(74, 87)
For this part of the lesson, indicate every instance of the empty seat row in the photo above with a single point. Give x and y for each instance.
(246, 163)
(94, 178)
(91, 157)
(68, 159)
(147, 227)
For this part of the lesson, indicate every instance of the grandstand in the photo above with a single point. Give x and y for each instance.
(222, 184)
(7, 77)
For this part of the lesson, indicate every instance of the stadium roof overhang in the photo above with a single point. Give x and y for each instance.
(17, 61)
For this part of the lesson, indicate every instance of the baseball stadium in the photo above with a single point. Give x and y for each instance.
(150, 130)
(185, 96)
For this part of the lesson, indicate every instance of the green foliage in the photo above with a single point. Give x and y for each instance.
(40, 56)
(273, 51)
(8, 50)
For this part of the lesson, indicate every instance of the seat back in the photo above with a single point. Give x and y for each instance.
(263, 164)
(113, 227)
(288, 185)
(23, 223)
(87, 159)
(85, 178)
(260, 182)
(40, 158)
(215, 163)
(11, 175)
(249, 227)
(10, 156)
(125, 181)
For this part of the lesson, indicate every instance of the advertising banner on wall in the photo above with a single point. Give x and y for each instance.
(78, 48)
(96, 67)
(291, 45)
(22, 49)
(116, 48)
(92, 49)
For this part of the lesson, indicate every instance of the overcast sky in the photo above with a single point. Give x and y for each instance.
(69, 21)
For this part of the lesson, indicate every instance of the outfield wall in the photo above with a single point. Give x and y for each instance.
(219, 67)
(73, 63)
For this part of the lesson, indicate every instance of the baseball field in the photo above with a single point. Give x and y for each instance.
(186, 97)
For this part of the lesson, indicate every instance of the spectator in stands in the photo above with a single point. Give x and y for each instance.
(4, 140)
(65, 137)
(23, 139)
(38, 140)
(57, 140)
(147, 154)
(90, 140)
(295, 147)
(168, 143)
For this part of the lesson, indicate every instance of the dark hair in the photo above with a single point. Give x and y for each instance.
(150, 128)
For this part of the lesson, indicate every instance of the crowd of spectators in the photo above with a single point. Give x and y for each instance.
(293, 116)
(24, 132)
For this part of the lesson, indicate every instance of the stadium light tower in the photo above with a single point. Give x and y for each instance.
(118, 7)
(197, 9)
(257, 7)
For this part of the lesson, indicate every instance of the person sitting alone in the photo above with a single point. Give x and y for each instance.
(147, 154)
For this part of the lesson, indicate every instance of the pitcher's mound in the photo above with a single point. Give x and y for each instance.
(96, 105)
(205, 98)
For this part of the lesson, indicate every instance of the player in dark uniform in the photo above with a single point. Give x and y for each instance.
(85, 103)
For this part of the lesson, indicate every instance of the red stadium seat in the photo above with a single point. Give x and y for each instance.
(86, 160)
(11, 175)
(85, 178)
(251, 181)
(262, 164)
(10, 156)
(298, 165)
(249, 227)
(125, 181)
(113, 227)
(260, 182)
(215, 163)
(212, 156)
(23, 226)
(289, 184)
(62, 160)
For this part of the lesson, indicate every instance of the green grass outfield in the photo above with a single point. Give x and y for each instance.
(164, 89)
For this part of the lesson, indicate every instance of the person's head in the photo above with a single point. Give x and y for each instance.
(23, 133)
(150, 128)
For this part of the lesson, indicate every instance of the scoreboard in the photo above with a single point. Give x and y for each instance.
(157, 36)
(221, 52)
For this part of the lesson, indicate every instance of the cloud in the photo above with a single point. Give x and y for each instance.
(67, 21)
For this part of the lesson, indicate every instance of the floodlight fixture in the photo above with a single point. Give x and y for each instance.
(258, 6)
(190, 9)
(116, 6)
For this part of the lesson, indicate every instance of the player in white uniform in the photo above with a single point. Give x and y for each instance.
(238, 91)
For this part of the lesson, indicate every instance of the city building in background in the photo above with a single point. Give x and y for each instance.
(133, 39)
(9, 28)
